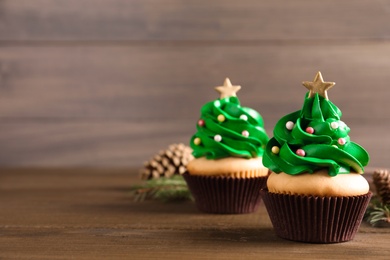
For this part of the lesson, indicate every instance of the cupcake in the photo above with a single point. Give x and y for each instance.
(227, 173)
(316, 192)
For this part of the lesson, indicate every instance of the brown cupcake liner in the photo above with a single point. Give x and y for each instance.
(225, 195)
(315, 219)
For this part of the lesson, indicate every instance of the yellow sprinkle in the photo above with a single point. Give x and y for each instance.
(275, 149)
(221, 118)
(197, 141)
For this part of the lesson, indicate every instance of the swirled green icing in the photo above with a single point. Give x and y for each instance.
(233, 143)
(323, 148)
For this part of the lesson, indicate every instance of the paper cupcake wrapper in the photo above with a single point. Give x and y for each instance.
(315, 219)
(225, 195)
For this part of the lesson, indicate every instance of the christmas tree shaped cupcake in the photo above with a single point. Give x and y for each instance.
(227, 173)
(316, 192)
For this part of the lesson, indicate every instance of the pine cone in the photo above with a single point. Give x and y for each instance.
(166, 163)
(381, 180)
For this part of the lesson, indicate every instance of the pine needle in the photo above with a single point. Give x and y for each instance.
(164, 189)
(377, 213)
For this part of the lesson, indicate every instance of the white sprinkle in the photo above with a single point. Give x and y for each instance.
(244, 117)
(334, 125)
(245, 133)
(290, 125)
(217, 138)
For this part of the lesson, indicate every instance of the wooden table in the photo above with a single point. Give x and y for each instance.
(89, 214)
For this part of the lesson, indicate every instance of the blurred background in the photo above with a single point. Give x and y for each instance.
(108, 83)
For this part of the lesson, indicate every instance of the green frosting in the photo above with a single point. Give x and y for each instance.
(328, 147)
(241, 130)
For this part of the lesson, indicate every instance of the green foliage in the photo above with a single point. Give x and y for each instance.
(164, 189)
(377, 213)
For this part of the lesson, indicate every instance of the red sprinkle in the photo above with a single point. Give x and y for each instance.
(341, 141)
(201, 122)
(300, 152)
(310, 130)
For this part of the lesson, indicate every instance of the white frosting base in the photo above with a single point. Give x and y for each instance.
(318, 184)
(234, 167)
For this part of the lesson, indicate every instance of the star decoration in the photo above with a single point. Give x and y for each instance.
(227, 90)
(318, 86)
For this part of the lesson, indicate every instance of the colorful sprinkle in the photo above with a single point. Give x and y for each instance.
(341, 141)
(275, 150)
(310, 130)
(290, 125)
(221, 118)
(217, 138)
(300, 152)
(244, 117)
(334, 125)
(197, 141)
(201, 122)
(245, 133)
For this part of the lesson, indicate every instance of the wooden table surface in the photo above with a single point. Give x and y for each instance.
(89, 214)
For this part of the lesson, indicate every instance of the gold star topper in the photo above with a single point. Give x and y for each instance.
(227, 90)
(318, 86)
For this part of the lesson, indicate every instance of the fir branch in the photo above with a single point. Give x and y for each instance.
(377, 213)
(166, 189)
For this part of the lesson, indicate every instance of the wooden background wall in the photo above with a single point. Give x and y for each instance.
(105, 83)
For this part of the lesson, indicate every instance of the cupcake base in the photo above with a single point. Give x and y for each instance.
(315, 219)
(225, 195)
